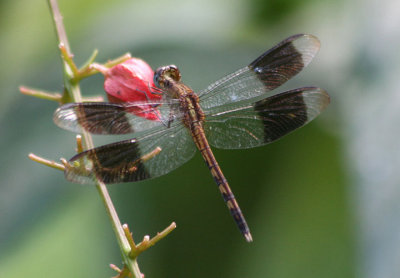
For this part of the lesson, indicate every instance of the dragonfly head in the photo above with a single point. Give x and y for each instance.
(165, 76)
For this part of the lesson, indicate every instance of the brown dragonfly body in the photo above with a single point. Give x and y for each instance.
(168, 79)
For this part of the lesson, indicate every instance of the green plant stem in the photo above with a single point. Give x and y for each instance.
(147, 243)
(73, 90)
(46, 162)
(41, 94)
(87, 70)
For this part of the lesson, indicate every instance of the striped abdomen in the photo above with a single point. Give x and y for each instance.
(203, 146)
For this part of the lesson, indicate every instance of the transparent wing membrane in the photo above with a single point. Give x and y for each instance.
(266, 120)
(235, 117)
(133, 160)
(267, 72)
(113, 118)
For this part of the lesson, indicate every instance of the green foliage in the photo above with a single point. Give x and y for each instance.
(293, 192)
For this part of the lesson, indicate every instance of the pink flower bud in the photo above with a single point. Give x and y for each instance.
(132, 81)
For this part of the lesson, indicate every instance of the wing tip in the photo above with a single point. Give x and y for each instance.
(65, 117)
(316, 101)
(325, 98)
(307, 45)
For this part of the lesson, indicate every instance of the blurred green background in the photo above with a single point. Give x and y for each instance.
(321, 202)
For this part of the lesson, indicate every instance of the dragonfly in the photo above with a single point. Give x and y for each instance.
(238, 111)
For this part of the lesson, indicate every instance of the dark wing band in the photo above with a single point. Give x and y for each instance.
(259, 123)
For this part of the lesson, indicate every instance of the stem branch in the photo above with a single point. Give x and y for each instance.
(46, 162)
(41, 94)
(74, 90)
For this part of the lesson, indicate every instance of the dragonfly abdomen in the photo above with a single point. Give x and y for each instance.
(223, 186)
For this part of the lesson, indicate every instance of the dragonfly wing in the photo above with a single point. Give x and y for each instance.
(259, 123)
(267, 72)
(137, 159)
(116, 118)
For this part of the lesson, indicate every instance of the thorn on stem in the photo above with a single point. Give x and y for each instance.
(79, 146)
(64, 161)
(129, 237)
(114, 267)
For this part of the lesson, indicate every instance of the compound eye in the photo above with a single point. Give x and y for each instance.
(164, 75)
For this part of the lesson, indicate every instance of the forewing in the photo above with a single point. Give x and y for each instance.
(267, 72)
(116, 118)
(266, 120)
(133, 160)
